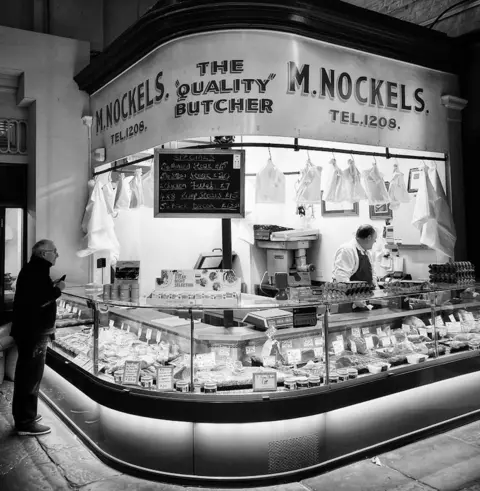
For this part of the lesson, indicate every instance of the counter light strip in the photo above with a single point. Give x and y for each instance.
(295, 147)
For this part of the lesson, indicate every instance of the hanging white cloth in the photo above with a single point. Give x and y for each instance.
(109, 195)
(397, 191)
(308, 188)
(375, 188)
(136, 185)
(432, 214)
(270, 185)
(353, 183)
(98, 226)
(147, 179)
(124, 193)
(336, 191)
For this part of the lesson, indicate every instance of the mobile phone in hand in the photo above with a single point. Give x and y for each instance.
(62, 278)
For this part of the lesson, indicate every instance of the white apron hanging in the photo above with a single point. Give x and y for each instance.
(375, 188)
(397, 191)
(353, 183)
(136, 185)
(308, 187)
(336, 188)
(147, 179)
(124, 193)
(270, 185)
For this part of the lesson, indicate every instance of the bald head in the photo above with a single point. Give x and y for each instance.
(45, 249)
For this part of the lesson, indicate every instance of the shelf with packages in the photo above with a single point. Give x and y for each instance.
(399, 331)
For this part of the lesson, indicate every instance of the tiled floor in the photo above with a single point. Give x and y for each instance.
(59, 461)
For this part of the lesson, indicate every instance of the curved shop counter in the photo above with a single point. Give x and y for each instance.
(427, 368)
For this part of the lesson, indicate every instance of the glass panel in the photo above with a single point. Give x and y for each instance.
(457, 321)
(13, 252)
(379, 335)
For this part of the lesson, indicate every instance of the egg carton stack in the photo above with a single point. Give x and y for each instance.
(353, 290)
(454, 273)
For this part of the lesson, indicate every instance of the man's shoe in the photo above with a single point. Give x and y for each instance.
(34, 429)
(37, 418)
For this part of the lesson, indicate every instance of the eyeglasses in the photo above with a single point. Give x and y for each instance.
(50, 250)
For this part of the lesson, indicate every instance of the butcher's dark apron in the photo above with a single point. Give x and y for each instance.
(364, 271)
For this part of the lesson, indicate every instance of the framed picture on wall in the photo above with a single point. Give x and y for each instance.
(330, 209)
(413, 180)
(381, 212)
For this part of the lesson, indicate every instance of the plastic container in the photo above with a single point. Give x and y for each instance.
(182, 386)
(124, 293)
(378, 367)
(197, 387)
(118, 376)
(146, 381)
(134, 293)
(352, 373)
(302, 383)
(114, 292)
(210, 388)
(314, 381)
(342, 374)
(290, 383)
(416, 358)
(107, 292)
(333, 378)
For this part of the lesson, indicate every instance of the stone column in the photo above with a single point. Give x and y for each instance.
(455, 179)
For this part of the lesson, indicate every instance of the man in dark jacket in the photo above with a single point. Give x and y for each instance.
(33, 324)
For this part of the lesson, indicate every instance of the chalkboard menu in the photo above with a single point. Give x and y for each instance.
(199, 183)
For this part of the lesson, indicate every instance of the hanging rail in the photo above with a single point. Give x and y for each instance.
(295, 147)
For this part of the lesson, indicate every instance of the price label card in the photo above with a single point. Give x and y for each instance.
(75, 310)
(269, 361)
(405, 328)
(393, 339)
(439, 321)
(340, 338)
(186, 360)
(469, 316)
(287, 344)
(69, 308)
(338, 347)
(294, 356)
(356, 332)
(122, 326)
(386, 341)
(366, 330)
(380, 332)
(139, 332)
(206, 359)
(131, 372)
(148, 334)
(158, 336)
(422, 331)
(318, 352)
(250, 350)
(165, 378)
(265, 381)
(452, 318)
(111, 324)
(369, 342)
(224, 352)
(128, 327)
(353, 347)
(308, 342)
(318, 341)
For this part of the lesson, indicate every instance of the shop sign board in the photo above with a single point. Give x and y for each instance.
(251, 82)
(196, 183)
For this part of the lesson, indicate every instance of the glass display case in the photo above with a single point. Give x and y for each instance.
(128, 376)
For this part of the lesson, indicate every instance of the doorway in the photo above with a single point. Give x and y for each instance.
(12, 256)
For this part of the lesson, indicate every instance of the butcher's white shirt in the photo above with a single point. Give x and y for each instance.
(346, 261)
